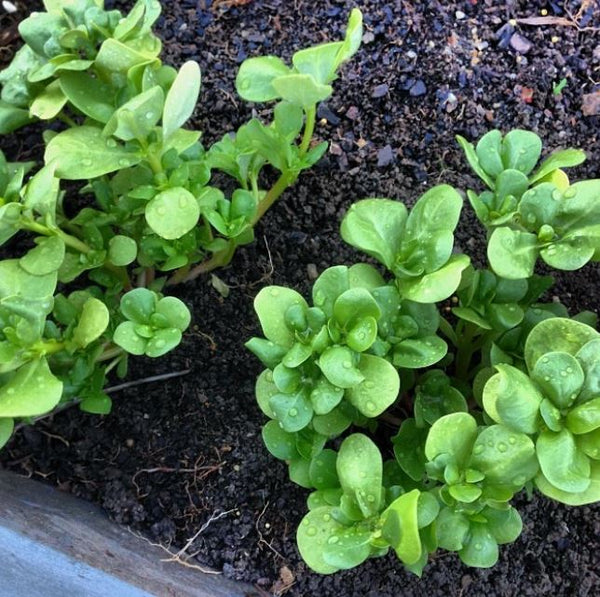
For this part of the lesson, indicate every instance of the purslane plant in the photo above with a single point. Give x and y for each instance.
(90, 291)
(496, 393)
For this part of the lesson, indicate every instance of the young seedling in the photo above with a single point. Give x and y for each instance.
(89, 292)
(503, 389)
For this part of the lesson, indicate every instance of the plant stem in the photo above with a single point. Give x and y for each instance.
(282, 183)
(67, 120)
(465, 334)
(219, 259)
(69, 240)
(309, 129)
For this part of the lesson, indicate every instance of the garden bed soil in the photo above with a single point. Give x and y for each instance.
(174, 455)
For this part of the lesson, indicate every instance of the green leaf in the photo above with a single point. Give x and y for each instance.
(301, 90)
(12, 118)
(378, 388)
(429, 227)
(581, 498)
(271, 304)
(254, 81)
(504, 457)
(96, 404)
(408, 449)
(49, 103)
(41, 193)
(512, 253)
(6, 428)
(138, 305)
(92, 323)
(417, 353)
(481, 550)
(137, 118)
(589, 358)
(585, 417)
(565, 158)
(453, 435)
(329, 286)
(437, 286)
(172, 213)
(265, 389)
(473, 160)
(504, 525)
(355, 303)
(400, 527)
(325, 396)
(557, 334)
(31, 392)
(122, 250)
(162, 341)
(279, 442)
(363, 334)
(45, 258)
(452, 529)
(126, 337)
(16, 281)
(322, 471)
(333, 423)
(181, 98)
(562, 463)
(560, 377)
(488, 151)
(314, 532)
(293, 411)
(337, 364)
(320, 62)
(349, 549)
(360, 471)
(521, 150)
(353, 37)
(510, 398)
(375, 226)
(82, 152)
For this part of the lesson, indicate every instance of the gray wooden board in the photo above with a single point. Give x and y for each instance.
(55, 545)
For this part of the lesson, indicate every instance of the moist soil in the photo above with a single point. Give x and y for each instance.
(185, 457)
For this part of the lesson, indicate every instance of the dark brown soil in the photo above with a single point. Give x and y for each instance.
(173, 455)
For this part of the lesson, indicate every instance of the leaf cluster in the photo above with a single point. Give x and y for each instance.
(492, 391)
(89, 291)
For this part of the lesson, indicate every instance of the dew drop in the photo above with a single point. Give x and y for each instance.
(478, 546)
(478, 449)
(347, 364)
(326, 517)
(149, 115)
(370, 384)
(333, 540)
(570, 193)
(274, 292)
(293, 412)
(512, 440)
(86, 162)
(311, 532)
(502, 447)
(370, 406)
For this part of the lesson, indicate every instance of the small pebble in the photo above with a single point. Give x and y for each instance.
(385, 156)
(418, 88)
(411, 54)
(9, 7)
(459, 14)
(380, 90)
(312, 271)
(520, 44)
(129, 443)
(352, 113)
(590, 105)
(323, 111)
